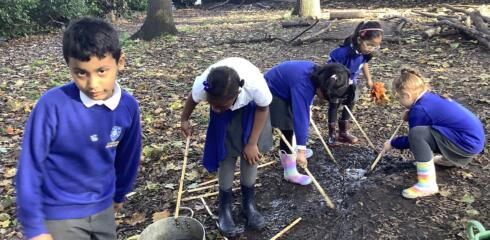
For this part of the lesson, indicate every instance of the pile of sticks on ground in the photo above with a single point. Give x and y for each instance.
(459, 20)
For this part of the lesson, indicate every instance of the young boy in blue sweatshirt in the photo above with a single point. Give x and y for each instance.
(82, 143)
(436, 125)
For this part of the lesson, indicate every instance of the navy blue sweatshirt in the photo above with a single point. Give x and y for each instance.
(350, 58)
(290, 81)
(449, 118)
(75, 161)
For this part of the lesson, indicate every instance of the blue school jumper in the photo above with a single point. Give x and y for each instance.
(290, 81)
(351, 58)
(449, 118)
(75, 161)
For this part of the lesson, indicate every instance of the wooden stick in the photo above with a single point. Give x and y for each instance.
(204, 195)
(208, 209)
(303, 32)
(207, 187)
(360, 128)
(286, 229)
(317, 185)
(214, 217)
(383, 151)
(322, 140)
(182, 176)
(236, 173)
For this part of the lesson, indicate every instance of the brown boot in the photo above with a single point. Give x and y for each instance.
(331, 140)
(344, 135)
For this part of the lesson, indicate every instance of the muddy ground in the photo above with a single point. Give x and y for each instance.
(160, 75)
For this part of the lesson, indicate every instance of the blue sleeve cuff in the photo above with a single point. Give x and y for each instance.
(400, 143)
(119, 198)
(31, 232)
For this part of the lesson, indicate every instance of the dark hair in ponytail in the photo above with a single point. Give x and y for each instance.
(223, 83)
(365, 31)
(332, 79)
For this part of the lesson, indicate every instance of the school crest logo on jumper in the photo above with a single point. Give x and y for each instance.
(115, 133)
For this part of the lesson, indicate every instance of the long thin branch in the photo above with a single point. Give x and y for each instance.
(310, 27)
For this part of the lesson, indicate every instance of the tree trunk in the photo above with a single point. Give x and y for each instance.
(159, 20)
(309, 8)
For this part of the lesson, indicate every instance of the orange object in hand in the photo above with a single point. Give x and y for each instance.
(378, 93)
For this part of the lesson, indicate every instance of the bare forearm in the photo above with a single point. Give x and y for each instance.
(188, 108)
(367, 73)
(260, 118)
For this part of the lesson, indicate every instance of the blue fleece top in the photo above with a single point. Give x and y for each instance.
(349, 57)
(449, 118)
(290, 81)
(75, 161)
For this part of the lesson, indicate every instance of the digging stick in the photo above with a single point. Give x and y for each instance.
(236, 173)
(205, 195)
(214, 217)
(286, 229)
(360, 128)
(383, 151)
(321, 139)
(317, 185)
(182, 176)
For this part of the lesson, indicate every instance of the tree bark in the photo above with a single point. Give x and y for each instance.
(309, 8)
(159, 20)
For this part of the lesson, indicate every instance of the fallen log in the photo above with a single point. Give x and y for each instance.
(481, 37)
(351, 14)
(478, 22)
(431, 32)
(300, 23)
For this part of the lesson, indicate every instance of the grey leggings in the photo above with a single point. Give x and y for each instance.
(422, 143)
(226, 171)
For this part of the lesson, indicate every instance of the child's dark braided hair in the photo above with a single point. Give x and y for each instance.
(223, 83)
(332, 79)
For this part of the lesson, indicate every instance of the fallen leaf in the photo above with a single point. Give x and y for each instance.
(444, 193)
(10, 173)
(137, 218)
(134, 237)
(160, 215)
(194, 185)
(4, 216)
(10, 130)
(468, 198)
(176, 105)
(472, 212)
(170, 186)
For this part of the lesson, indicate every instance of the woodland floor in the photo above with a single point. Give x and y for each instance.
(160, 75)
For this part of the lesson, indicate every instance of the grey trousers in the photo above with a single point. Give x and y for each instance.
(226, 173)
(100, 226)
(424, 141)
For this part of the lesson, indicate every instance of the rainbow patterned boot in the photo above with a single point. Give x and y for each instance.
(427, 185)
(291, 174)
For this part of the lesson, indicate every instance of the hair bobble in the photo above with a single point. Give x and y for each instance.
(241, 83)
(206, 85)
(334, 77)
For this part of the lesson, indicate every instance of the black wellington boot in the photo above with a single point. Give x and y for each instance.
(225, 218)
(255, 220)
